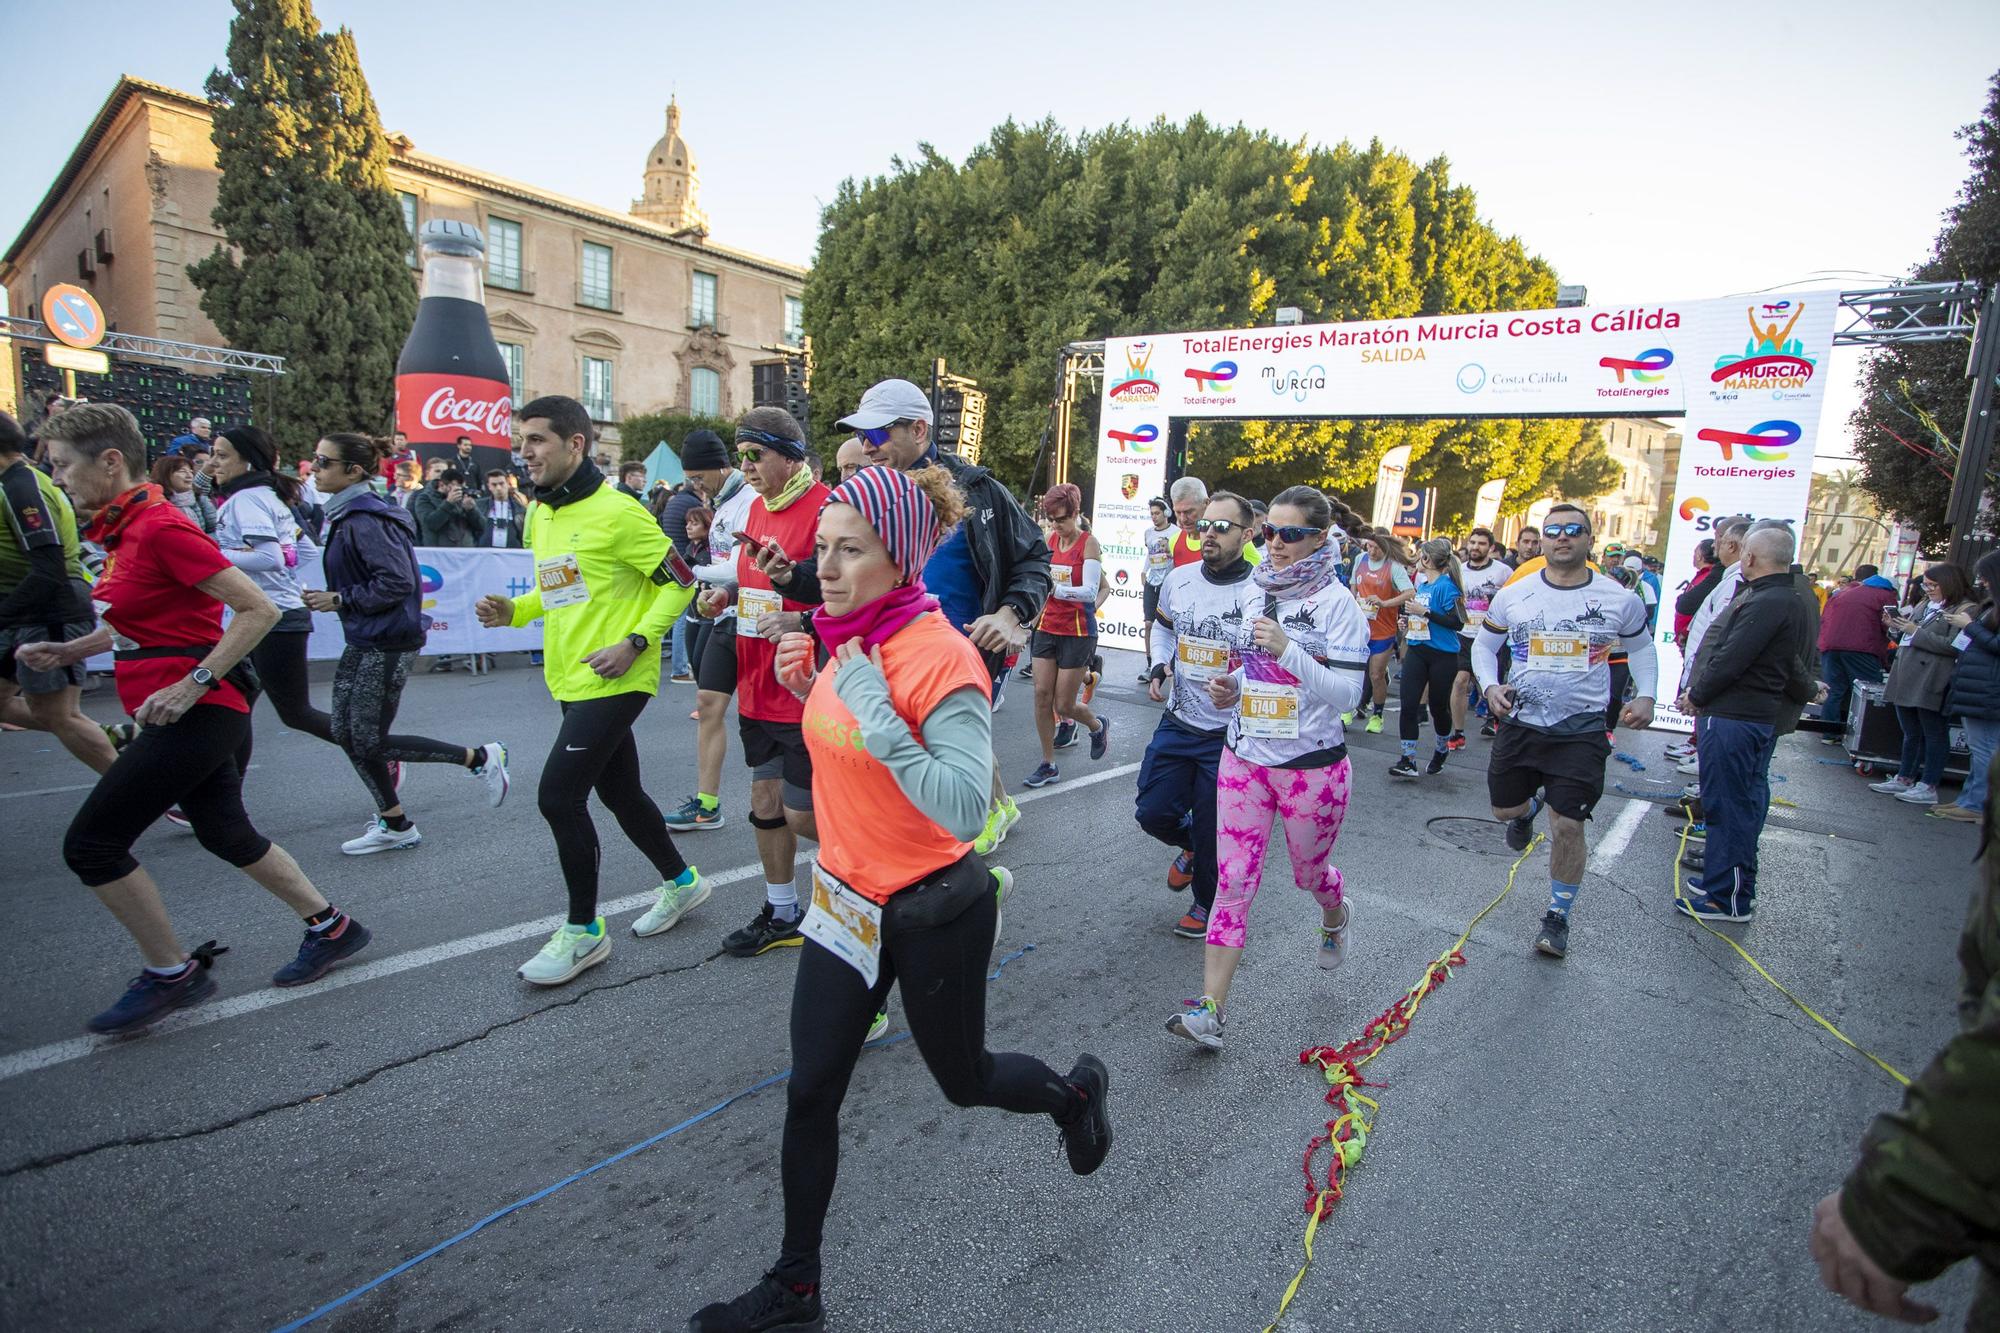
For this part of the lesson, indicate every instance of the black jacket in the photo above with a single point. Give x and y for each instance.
(442, 522)
(1751, 666)
(371, 561)
(1008, 553)
(1975, 680)
(484, 507)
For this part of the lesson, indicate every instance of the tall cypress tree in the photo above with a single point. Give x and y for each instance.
(316, 268)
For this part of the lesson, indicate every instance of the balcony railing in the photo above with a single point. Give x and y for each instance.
(600, 298)
(604, 411)
(520, 280)
(709, 320)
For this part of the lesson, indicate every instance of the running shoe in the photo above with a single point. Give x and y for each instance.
(1333, 941)
(1921, 793)
(1456, 741)
(1693, 860)
(772, 1303)
(1003, 884)
(676, 901)
(1610, 736)
(1181, 873)
(1065, 735)
(1956, 812)
(1679, 750)
(1043, 775)
(396, 776)
(1436, 765)
(1553, 939)
(1521, 832)
(1690, 766)
(763, 935)
(878, 1026)
(1100, 740)
(1095, 674)
(1346, 719)
(1201, 1022)
(681, 678)
(150, 997)
(1713, 906)
(1000, 820)
(1833, 738)
(1026, 672)
(177, 819)
(1892, 787)
(572, 949)
(321, 950)
(1489, 728)
(1403, 768)
(493, 771)
(693, 816)
(121, 734)
(1374, 727)
(379, 837)
(1193, 925)
(1087, 1134)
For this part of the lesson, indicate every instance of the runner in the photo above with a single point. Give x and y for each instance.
(707, 460)
(1159, 559)
(775, 583)
(1382, 583)
(991, 574)
(373, 584)
(1301, 660)
(1430, 622)
(1189, 496)
(608, 588)
(1484, 576)
(1559, 626)
(181, 674)
(44, 598)
(1200, 616)
(902, 743)
(1066, 640)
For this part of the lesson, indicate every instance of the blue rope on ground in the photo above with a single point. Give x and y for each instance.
(619, 1156)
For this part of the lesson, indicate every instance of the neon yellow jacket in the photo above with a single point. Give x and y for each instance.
(611, 572)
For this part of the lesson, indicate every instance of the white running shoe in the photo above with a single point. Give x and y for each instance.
(1921, 793)
(1333, 940)
(1892, 787)
(675, 902)
(571, 950)
(1691, 767)
(492, 771)
(379, 837)
(1201, 1023)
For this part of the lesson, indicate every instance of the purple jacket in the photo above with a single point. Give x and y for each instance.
(371, 561)
(1852, 621)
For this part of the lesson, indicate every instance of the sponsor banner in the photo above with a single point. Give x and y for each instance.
(1131, 471)
(1389, 476)
(1486, 506)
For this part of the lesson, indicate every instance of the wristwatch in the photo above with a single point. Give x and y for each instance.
(640, 643)
(205, 678)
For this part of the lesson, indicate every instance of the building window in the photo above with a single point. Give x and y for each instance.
(503, 253)
(409, 202)
(595, 289)
(705, 392)
(701, 302)
(597, 388)
(513, 355)
(795, 321)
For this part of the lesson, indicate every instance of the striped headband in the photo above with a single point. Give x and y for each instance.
(898, 510)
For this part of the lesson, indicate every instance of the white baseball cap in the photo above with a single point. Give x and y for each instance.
(890, 400)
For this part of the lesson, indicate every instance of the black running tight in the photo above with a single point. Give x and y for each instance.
(594, 749)
(281, 671)
(942, 971)
(367, 689)
(1425, 667)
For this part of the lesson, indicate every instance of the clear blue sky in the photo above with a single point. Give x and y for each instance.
(1650, 151)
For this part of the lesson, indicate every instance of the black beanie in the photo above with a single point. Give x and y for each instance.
(702, 451)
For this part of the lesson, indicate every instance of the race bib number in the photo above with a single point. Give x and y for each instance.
(1558, 652)
(753, 603)
(1203, 659)
(561, 582)
(119, 643)
(1475, 615)
(845, 924)
(1416, 625)
(1063, 576)
(1158, 562)
(1270, 711)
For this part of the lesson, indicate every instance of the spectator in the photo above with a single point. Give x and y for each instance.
(1750, 666)
(465, 460)
(174, 475)
(1707, 572)
(1974, 696)
(445, 514)
(1853, 646)
(198, 434)
(1926, 653)
(851, 457)
(501, 512)
(632, 480)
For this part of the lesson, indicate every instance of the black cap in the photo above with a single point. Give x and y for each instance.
(702, 451)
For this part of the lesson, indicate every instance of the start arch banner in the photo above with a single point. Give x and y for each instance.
(1746, 373)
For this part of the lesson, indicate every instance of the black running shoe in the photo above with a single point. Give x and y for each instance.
(1436, 765)
(1087, 1136)
(1066, 738)
(772, 1303)
(763, 935)
(1403, 768)
(1521, 832)
(321, 950)
(1554, 937)
(1488, 728)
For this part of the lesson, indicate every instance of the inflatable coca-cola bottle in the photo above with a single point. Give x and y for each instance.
(450, 380)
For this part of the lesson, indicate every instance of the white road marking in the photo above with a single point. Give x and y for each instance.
(1619, 836)
(76, 1048)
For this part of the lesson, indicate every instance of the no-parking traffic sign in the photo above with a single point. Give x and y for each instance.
(73, 315)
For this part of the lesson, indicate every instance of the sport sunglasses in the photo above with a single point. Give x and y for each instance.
(1289, 534)
(1564, 529)
(1219, 526)
(879, 435)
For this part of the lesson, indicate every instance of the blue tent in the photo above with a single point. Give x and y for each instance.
(663, 464)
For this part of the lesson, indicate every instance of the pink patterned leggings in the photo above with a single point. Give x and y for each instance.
(1311, 802)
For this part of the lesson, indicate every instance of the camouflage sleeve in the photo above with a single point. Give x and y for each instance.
(1926, 1192)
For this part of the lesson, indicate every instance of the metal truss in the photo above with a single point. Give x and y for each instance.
(155, 349)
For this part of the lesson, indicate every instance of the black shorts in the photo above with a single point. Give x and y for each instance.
(1071, 651)
(1465, 653)
(778, 750)
(1569, 770)
(29, 680)
(717, 668)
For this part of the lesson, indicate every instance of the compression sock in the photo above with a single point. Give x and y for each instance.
(1409, 749)
(1561, 895)
(708, 802)
(784, 901)
(1442, 745)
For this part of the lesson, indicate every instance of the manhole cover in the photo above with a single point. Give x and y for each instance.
(1471, 835)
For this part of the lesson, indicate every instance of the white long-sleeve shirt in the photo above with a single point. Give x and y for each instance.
(1716, 603)
(1561, 641)
(1289, 708)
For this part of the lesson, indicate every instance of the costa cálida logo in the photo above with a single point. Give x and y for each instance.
(434, 409)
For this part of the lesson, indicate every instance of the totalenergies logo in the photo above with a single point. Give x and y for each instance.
(1649, 367)
(1137, 441)
(1693, 505)
(1765, 442)
(430, 580)
(1137, 385)
(1214, 378)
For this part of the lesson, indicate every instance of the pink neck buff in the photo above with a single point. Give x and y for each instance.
(877, 622)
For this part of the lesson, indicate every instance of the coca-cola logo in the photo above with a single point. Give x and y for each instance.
(445, 410)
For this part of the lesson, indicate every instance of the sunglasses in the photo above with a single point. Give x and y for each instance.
(750, 457)
(879, 435)
(1564, 529)
(1289, 534)
(321, 460)
(1219, 526)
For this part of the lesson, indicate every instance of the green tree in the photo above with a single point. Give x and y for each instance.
(1042, 238)
(1913, 397)
(638, 434)
(316, 267)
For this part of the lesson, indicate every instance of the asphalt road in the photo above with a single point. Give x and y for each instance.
(1629, 1139)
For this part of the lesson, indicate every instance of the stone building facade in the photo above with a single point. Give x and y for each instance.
(628, 312)
(1646, 452)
